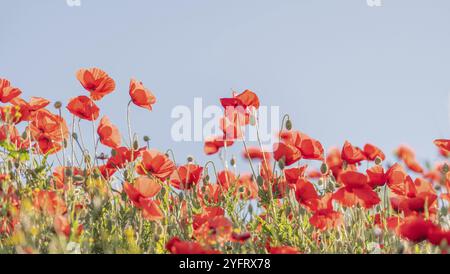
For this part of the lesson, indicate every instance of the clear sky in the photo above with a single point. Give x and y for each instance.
(341, 69)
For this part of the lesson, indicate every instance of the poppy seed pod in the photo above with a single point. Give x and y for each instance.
(190, 159)
(445, 169)
(57, 105)
(146, 138)
(288, 124)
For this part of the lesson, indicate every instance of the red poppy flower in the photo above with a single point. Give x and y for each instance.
(283, 250)
(256, 153)
(408, 156)
(144, 187)
(396, 177)
(151, 210)
(213, 145)
(140, 95)
(48, 130)
(217, 229)
(372, 152)
(108, 133)
(106, 171)
(289, 153)
(7, 93)
(377, 177)
(293, 174)
(49, 202)
(355, 190)
(231, 126)
(443, 144)
(63, 227)
(59, 175)
(10, 133)
(177, 246)
(415, 229)
(246, 100)
(27, 109)
(186, 177)
(306, 194)
(155, 163)
(334, 161)
(437, 236)
(83, 107)
(123, 155)
(418, 195)
(324, 216)
(226, 178)
(240, 237)
(351, 154)
(96, 81)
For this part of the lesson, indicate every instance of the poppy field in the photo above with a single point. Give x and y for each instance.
(64, 190)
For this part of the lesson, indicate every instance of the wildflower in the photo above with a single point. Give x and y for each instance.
(355, 190)
(7, 92)
(214, 144)
(140, 95)
(351, 154)
(109, 134)
(96, 81)
(84, 108)
(156, 164)
(186, 176)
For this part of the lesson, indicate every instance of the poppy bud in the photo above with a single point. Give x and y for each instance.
(57, 105)
(68, 172)
(260, 181)
(190, 159)
(250, 209)
(288, 124)
(146, 138)
(281, 163)
(252, 120)
(207, 178)
(324, 168)
(75, 136)
(78, 178)
(233, 161)
(378, 161)
(445, 168)
(125, 174)
(163, 191)
(24, 135)
(135, 145)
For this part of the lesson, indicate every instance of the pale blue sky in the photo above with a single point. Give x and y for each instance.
(341, 69)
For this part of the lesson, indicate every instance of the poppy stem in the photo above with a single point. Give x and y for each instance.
(129, 123)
